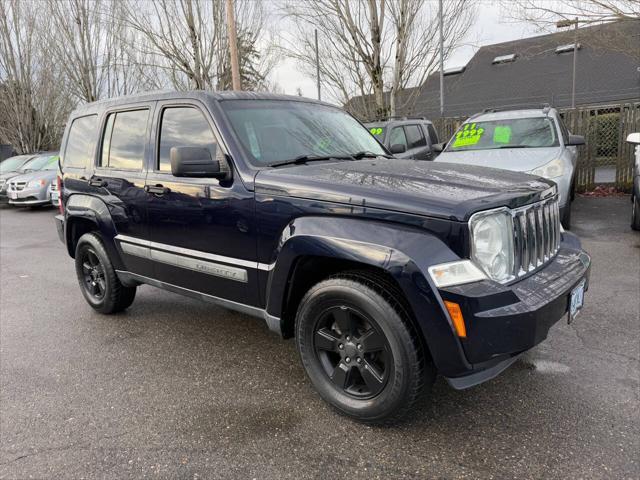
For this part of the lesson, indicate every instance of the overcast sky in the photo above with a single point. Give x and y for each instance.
(490, 27)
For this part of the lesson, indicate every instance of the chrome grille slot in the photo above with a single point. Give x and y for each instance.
(536, 235)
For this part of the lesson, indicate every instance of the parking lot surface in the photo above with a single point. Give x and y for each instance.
(175, 388)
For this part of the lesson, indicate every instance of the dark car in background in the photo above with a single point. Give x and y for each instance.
(406, 137)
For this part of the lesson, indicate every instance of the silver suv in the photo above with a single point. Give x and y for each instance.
(535, 141)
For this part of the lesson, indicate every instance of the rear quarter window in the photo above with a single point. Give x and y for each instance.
(81, 143)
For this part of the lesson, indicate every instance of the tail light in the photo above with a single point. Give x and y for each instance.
(60, 204)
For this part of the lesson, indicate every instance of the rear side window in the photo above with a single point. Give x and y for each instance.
(415, 137)
(398, 137)
(433, 136)
(124, 141)
(82, 140)
(184, 127)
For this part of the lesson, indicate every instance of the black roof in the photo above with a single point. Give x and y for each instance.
(202, 95)
(607, 72)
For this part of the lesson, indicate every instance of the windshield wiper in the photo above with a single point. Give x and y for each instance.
(310, 158)
(513, 146)
(368, 154)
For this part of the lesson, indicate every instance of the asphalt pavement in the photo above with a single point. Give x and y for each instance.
(175, 388)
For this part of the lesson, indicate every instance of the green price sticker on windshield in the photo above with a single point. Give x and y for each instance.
(502, 134)
(469, 135)
(376, 131)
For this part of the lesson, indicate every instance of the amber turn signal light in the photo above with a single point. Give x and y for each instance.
(456, 317)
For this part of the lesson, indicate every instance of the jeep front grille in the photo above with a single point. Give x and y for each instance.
(536, 235)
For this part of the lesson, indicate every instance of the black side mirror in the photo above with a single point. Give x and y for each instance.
(575, 140)
(194, 162)
(398, 148)
(438, 147)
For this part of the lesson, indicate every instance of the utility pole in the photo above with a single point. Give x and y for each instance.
(568, 23)
(233, 46)
(440, 15)
(317, 64)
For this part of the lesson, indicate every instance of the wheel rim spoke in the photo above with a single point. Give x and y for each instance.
(340, 374)
(372, 377)
(343, 320)
(101, 286)
(326, 340)
(372, 341)
(86, 268)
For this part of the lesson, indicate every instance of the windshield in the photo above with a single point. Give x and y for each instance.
(52, 164)
(13, 163)
(42, 162)
(273, 131)
(507, 133)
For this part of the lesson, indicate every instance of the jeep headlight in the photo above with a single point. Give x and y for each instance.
(553, 169)
(492, 243)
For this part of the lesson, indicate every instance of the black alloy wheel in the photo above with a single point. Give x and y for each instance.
(97, 277)
(353, 352)
(93, 272)
(359, 348)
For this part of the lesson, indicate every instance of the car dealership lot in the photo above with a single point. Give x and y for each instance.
(178, 388)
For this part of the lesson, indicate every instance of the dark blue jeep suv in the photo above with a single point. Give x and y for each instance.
(385, 271)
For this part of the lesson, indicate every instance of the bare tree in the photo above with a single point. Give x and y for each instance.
(368, 47)
(187, 38)
(33, 100)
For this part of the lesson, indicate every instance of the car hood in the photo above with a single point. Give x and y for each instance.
(425, 188)
(516, 159)
(8, 175)
(37, 175)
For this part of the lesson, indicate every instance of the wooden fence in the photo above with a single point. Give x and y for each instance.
(606, 158)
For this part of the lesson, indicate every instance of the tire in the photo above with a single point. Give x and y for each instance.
(566, 217)
(635, 213)
(98, 281)
(378, 382)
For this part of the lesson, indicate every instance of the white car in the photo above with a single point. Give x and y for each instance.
(532, 140)
(634, 139)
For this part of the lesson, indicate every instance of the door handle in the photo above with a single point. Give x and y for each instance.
(157, 189)
(97, 182)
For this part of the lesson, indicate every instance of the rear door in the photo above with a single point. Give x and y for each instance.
(418, 146)
(119, 177)
(203, 229)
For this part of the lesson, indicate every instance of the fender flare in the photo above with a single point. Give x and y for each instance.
(87, 208)
(404, 253)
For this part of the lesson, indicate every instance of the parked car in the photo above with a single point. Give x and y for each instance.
(634, 139)
(31, 189)
(406, 137)
(530, 140)
(385, 271)
(9, 168)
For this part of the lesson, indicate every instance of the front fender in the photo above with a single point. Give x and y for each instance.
(87, 208)
(404, 253)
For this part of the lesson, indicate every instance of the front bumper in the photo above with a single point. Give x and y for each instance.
(29, 196)
(502, 321)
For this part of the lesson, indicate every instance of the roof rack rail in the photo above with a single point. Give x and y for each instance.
(517, 106)
(403, 117)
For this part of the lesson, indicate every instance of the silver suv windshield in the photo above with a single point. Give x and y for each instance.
(531, 132)
(275, 131)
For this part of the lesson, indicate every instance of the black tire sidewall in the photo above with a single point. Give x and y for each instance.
(89, 241)
(396, 391)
